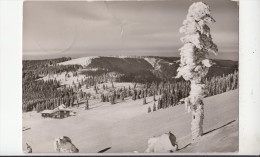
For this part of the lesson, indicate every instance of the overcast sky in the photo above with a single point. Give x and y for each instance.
(81, 28)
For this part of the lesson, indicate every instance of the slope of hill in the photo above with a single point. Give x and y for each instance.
(84, 61)
(161, 67)
(140, 69)
(126, 126)
(123, 65)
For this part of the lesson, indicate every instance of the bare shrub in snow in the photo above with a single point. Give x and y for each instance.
(28, 148)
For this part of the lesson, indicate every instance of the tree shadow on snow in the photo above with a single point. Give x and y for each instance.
(218, 127)
(209, 132)
(184, 147)
(104, 150)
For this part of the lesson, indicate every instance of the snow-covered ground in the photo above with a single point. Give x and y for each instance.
(84, 61)
(109, 86)
(155, 62)
(126, 126)
(68, 81)
(63, 80)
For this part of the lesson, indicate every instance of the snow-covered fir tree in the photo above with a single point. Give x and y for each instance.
(194, 63)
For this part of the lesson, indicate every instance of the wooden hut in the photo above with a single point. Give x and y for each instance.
(61, 113)
(46, 113)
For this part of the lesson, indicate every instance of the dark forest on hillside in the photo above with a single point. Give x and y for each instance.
(39, 95)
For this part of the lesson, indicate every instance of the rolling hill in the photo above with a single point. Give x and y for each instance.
(163, 68)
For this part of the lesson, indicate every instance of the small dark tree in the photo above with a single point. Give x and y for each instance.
(134, 95)
(144, 101)
(71, 101)
(38, 109)
(113, 85)
(86, 106)
(129, 93)
(135, 85)
(122, 96)
(107, 98)
(149, 109)
(112, 99)
(80, 94)
(159, 103)
(154, 107)
(142, 94)
(138, 94)
(77, 103)
(103, 99)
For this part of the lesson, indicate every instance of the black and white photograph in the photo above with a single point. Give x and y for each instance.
(135, 77)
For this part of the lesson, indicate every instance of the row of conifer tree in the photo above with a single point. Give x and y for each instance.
(215, 85)
(41, 95)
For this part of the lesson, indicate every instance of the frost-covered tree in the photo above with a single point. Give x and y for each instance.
(194, 62)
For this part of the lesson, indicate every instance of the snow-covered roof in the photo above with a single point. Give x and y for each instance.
(47, 111)
(62, 108)
(56, 110)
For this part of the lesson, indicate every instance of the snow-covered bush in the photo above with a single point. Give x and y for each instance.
(65, 145)
(165, 143)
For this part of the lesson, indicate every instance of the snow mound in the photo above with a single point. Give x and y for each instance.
(65, 145)
(156, 62)
(166, 143)
(84, 61)
(152, 61)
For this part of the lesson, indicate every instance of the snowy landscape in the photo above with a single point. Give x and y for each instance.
(104, 123)
(149, 101)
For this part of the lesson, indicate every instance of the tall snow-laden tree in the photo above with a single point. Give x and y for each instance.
(194, 62)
